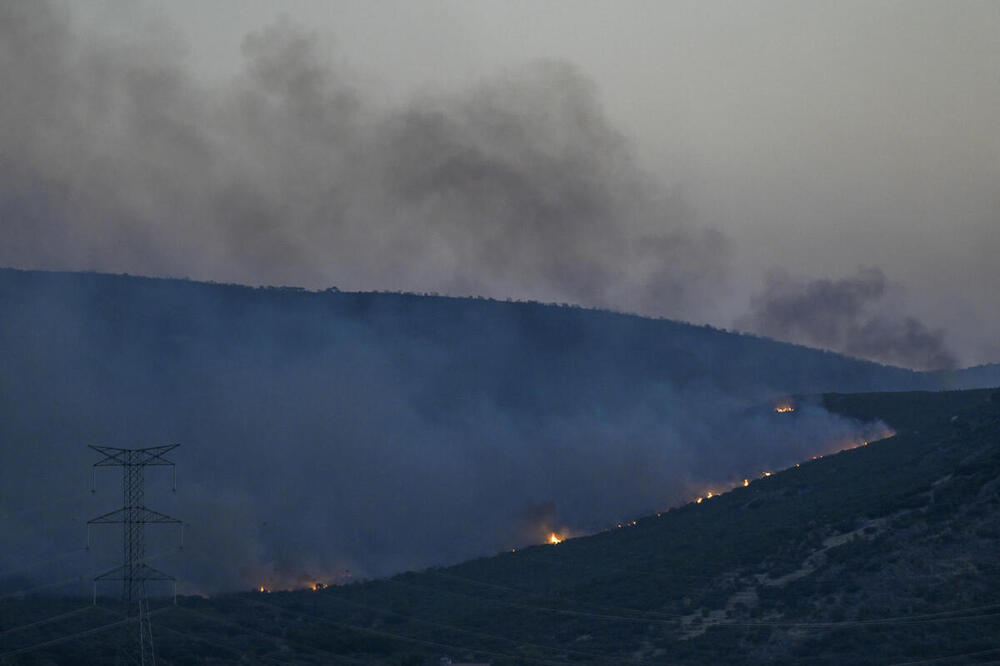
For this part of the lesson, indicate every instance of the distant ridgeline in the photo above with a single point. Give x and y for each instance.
(555, 354)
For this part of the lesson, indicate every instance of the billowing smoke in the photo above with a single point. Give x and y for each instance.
(116, 159)
(852, 315)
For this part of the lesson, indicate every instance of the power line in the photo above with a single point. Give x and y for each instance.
(938, 660)
(386, 634)
(450, 627)
(341, 657)
(75, 578)
(228, 648)
(41, 563)
(48, 620)
(27, 509)
(543, 609)
(63, 639)
(942, 616)
(42, 586)
(661, 616)
(902, 620)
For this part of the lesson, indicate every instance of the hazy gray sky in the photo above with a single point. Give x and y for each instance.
(820, 138)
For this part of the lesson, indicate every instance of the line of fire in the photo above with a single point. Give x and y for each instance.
(555, 537)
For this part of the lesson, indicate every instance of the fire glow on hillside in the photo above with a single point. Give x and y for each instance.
(549, 536)
(884, 432)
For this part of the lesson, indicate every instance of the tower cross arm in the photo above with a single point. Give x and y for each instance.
(141, 571)
(137, 515)
(152, 455)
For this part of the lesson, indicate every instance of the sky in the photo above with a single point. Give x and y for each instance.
(825, 173)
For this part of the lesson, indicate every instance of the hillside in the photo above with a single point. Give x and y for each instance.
(324, 431)
(882, 554)
(165, 314)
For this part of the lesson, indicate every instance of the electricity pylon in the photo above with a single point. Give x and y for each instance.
(133, 516)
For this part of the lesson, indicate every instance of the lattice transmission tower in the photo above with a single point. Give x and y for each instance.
(137, 647)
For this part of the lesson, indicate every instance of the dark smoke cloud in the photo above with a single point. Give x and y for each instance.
(852, 315)
(115, 159)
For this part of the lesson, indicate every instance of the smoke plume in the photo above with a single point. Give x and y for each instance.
(852, 315)
(115, 159)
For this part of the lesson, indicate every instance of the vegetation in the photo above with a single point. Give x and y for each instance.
(882, 554)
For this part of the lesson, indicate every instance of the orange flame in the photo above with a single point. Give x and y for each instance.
(784, 408)
(554, 539)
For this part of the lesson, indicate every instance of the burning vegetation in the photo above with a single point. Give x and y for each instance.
(882, 433)
(316, 586)
(874, 431)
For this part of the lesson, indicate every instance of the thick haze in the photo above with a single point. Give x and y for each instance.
(373, 432)
(663, 158)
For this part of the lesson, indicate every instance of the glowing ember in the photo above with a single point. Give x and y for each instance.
(318, 586)
(746, 482)
(784, 409)
(263, 590)
(553, 539)
(766, 474)
(699, 500)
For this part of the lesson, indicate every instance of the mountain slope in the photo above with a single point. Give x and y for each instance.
(882, 554)
(324, 431)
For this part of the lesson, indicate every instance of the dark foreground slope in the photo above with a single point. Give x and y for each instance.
(883, 554)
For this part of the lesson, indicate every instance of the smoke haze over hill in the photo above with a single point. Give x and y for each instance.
(295, 170)
(331, 431)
